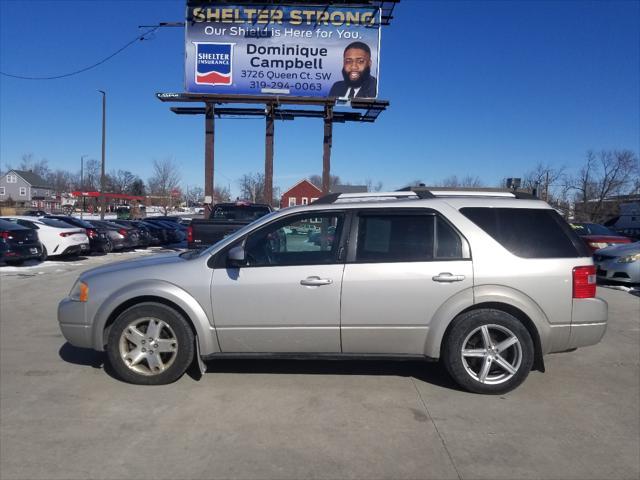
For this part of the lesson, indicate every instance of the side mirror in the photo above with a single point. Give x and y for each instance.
(236, 257)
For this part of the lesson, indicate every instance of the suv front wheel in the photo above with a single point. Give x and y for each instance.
(488, 351)
(150, 344)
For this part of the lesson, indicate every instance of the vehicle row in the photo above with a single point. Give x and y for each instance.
(29, 237)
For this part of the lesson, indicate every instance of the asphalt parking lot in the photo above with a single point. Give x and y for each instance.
(63, 415)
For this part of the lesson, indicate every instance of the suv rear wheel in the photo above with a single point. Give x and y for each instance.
(150, 344)
(488, 351)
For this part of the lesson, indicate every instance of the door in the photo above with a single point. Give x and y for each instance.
(402, 266)
(287, 296)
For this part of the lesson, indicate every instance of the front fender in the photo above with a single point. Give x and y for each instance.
(206, 334)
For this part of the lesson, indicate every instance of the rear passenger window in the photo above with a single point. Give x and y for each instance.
(406, 238)
(528, 233)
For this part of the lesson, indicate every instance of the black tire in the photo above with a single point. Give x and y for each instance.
(44, 255)
(469, 331)
(108, 246)
(120, 349)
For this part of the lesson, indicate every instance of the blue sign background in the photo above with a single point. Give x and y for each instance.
(295, 51)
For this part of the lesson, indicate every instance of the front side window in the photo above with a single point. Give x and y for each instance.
(23, 191)
(406, 238)
(293, 241)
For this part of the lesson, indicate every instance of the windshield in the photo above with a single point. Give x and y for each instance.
(239, 212)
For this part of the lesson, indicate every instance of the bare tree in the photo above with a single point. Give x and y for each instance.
(39, 167)
(252, 187)
(91, 175)
(467, 181)
(549, 182)
(61, 181)
(194, 195)
(604, 175)
(165, 179)
(371, 187)
(317, 181)
(121, 181)
(221, 194)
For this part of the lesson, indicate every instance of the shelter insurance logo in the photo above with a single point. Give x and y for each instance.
(214, 63)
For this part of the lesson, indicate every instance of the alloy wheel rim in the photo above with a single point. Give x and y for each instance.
(148, 346)
(491, 354)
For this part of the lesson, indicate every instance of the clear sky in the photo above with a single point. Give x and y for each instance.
(478, 88)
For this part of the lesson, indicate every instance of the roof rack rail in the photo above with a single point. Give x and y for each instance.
(364, 196)
(470, 192)
(422, 193)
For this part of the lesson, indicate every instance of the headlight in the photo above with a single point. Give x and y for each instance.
(79, 292)
(598, 245)
(628, 258)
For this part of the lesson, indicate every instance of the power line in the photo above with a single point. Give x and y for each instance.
(54, 77)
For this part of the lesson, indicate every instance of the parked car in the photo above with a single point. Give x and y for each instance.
(598, 236)
(141, 231)
(57, 237)
(619, 263)
(157, 235)
(18, 243)
(397, 282)
(119, 237)
(98, 239)
(35, 213)
(173, 232)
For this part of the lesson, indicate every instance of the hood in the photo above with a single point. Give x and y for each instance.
(138, 263)
(620, 250)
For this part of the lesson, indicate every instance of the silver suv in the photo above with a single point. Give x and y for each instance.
(488, 283)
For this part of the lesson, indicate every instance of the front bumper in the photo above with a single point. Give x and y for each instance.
(73, 325)
(610, 270)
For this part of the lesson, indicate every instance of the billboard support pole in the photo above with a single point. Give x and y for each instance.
(268, 154)
(209, 140)
(326, 149)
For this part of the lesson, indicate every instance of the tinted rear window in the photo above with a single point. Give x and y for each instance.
(528, 233)
(238, 212)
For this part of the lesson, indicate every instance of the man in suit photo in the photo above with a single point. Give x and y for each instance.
(356, 71)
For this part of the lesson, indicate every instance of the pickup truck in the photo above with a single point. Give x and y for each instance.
(225, 218)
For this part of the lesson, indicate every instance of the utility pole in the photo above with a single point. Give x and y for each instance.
(82, 182)
(103, 199)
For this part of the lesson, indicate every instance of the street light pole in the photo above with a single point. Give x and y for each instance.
(103, 200)
(82, 182)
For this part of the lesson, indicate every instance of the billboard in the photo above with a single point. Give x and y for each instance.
(282, 50)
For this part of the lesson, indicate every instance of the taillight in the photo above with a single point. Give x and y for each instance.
(123, 232)
(91, 233)
(190, 234)
(5, 235)
(584, 282)
(66, 234)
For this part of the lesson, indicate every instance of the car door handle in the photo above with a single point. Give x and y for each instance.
(315, 281)
(447, 277)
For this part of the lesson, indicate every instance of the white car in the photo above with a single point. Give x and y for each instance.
(57, 237)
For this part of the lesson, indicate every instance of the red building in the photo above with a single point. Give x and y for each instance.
(302, 193)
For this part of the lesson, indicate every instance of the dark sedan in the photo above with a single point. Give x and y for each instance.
(18, 243)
